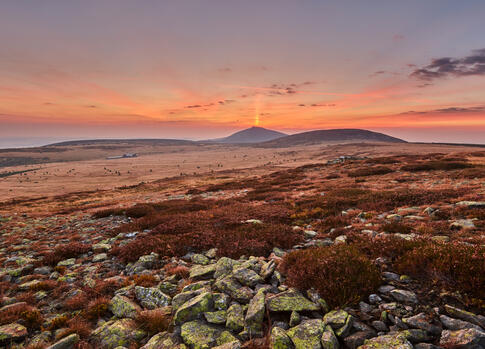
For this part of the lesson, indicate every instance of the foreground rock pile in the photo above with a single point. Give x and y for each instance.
(232, 301)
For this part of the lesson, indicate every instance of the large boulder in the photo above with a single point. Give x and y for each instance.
(202, 272)
(193, 308)
(255, 314)
(117, 333)
(307, 335)
(66, 343)
(329, 340)
(290, 301)
(164, 340)
(234, 289)
(247, 276)
(340, 321)
(390, 341)
(123, 307)
(151, 297)
(280, 339)
(466, 338)
(235, 317)
(12, 333)
(199, 335)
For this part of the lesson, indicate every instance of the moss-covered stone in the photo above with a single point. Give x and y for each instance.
(291, 301)
(235, 317)
(193, 308)
(117, 333)
(123, 307)
(234, 289)
(198, 335)
(307, 335)
(340, 321)
(12, 332)
(394, 341)
(329, 340)
(218, 317)
(280, 339)
(202, 272)
(152, 297)
(164, 340)
(255, 314)
(247, 276)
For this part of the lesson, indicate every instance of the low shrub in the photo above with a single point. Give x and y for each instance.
(96, 308)
(30, 316)
(341, 274)
(397, 228)
(436, 165)
(458, 266)
(61, 252)
(145, 280)
(76, 326)
(76, 302)
(370, 171)
(45, 285)
(154, 321)
(181, 271)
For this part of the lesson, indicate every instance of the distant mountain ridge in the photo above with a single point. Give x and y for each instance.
(250, 135)
(334, 135)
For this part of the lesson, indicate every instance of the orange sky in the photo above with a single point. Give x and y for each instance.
(199, 70)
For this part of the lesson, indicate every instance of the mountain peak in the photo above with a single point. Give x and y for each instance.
(254, 134)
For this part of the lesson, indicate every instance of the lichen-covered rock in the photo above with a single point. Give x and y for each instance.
(234, 289)
(295, 318)
(117, 333)
(218, 317)
(328, 339)
(221, 301)
(151, 297)
(255, 314)
(307, 335)
(235, 317)
(340, 321)
(167, 288)
(290, 301)
(202, 272)
(404, 296)
(421, 321)
(465, 315)
(199, 335)
(394, 341)
(280, 339)
(467, 338)
(12, 333)
(164, 340)
(454, 324)
(183, 297)
(267, 269)
(123, 307)
(66, 343)
(193, 308)
(247, 276)
(231, 345)
(224, 267)
(199, 259)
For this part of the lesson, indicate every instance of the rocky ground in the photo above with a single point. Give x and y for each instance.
(81, 279)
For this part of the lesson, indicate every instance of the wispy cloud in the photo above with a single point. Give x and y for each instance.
(449, 110)
(473, 64)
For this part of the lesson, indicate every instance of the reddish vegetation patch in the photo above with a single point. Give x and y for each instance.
(61, 252)
(341, 274)
(436, 165)
(457, 266)
(370, 171)
(154, 321)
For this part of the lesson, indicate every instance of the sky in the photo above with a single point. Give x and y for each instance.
(201, 69)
